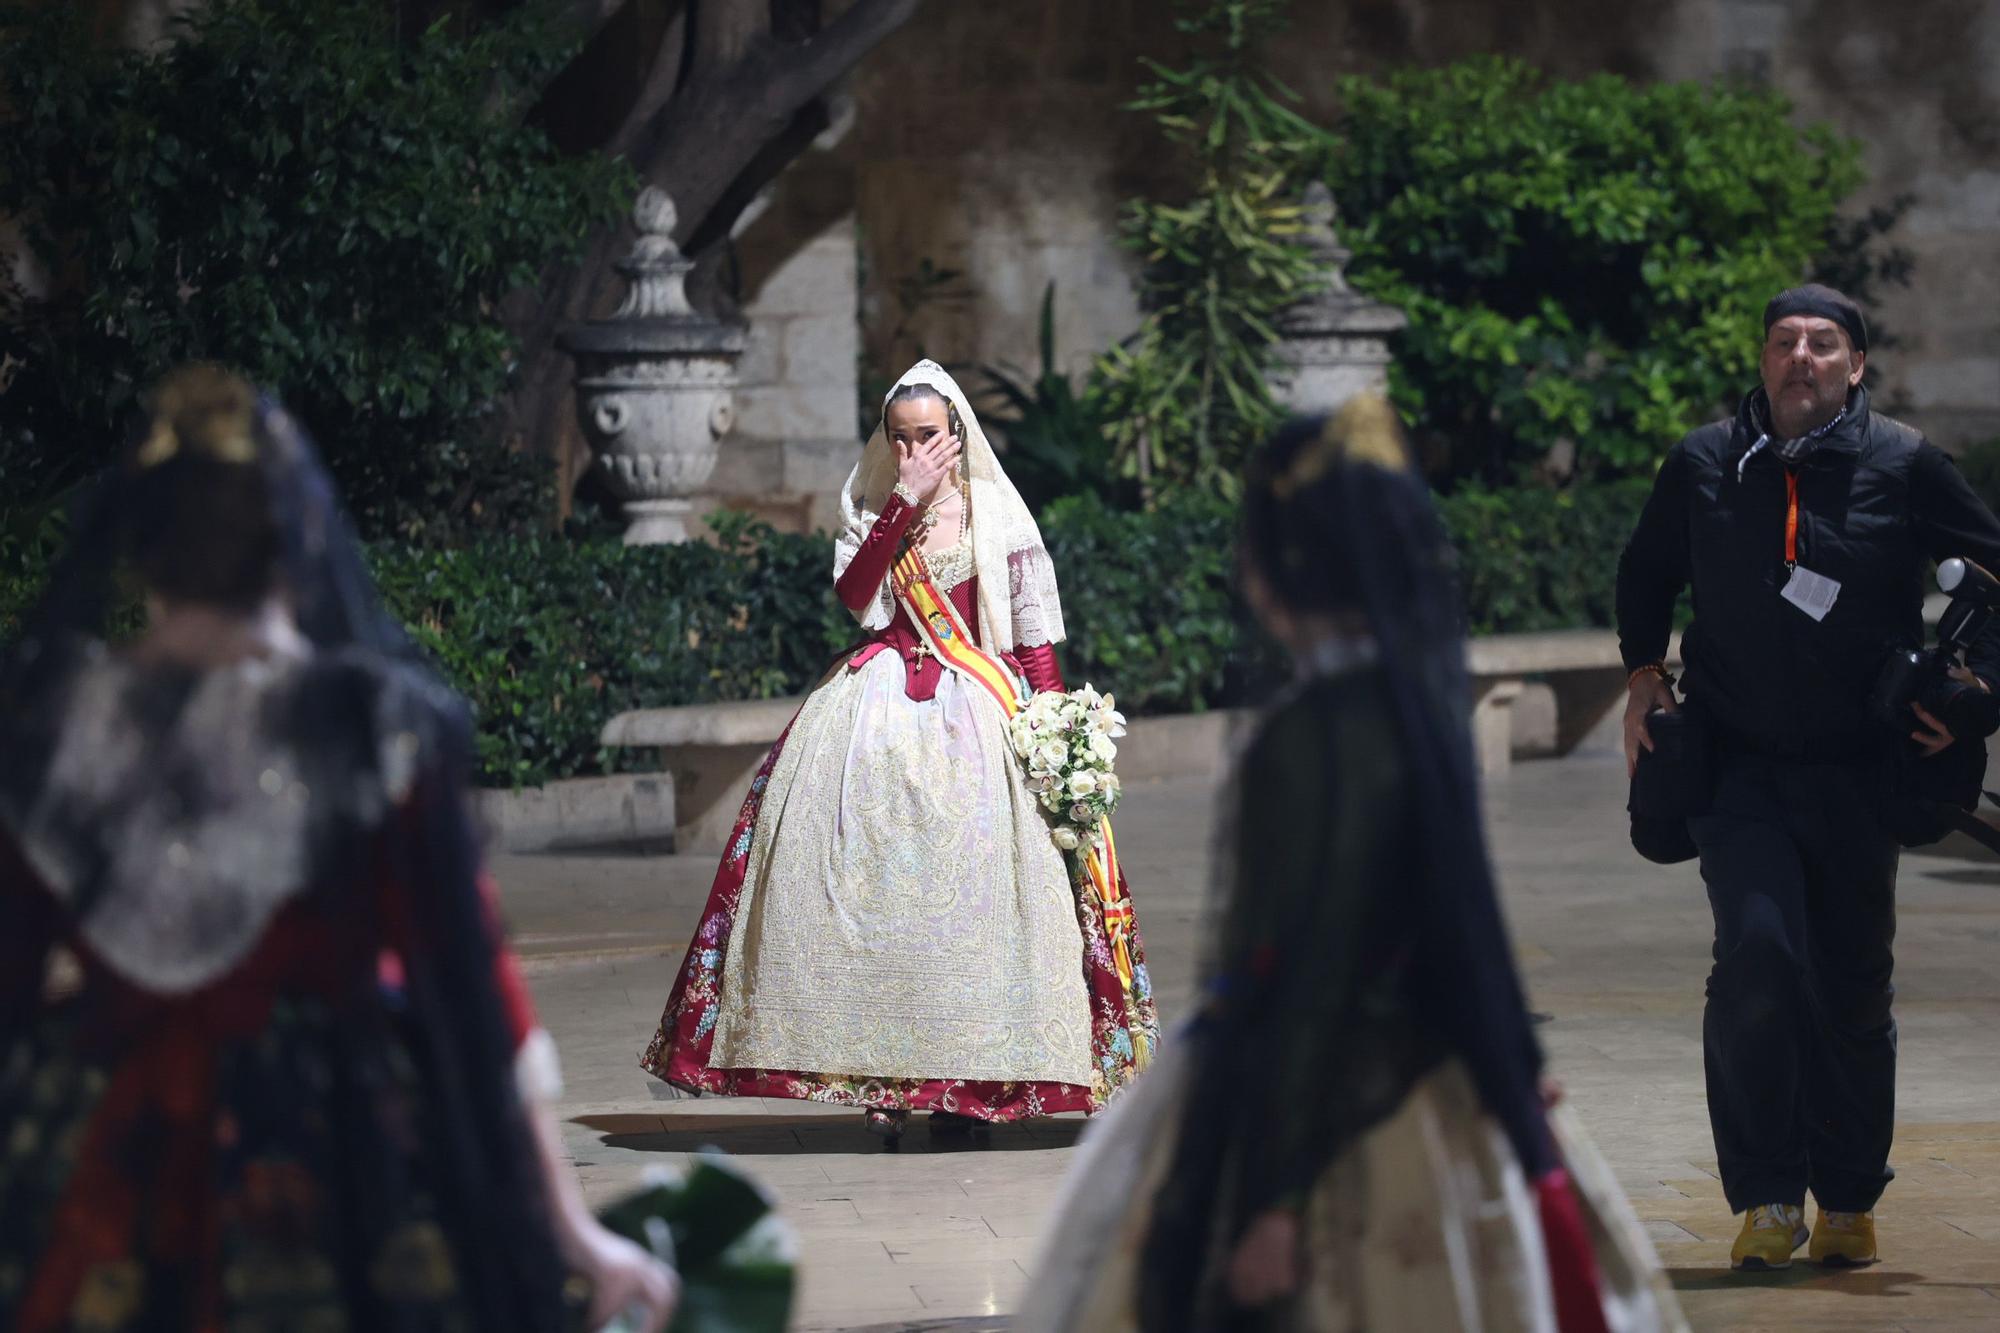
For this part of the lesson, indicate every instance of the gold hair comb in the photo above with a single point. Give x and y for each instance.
(205, 410)
(1364, 431)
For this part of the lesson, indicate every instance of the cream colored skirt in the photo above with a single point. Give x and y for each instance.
(904, 913)
(1426, 1222)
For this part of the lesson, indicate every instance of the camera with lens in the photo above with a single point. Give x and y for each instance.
(1923, 675)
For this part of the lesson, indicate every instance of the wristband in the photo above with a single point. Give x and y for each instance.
(907, 496)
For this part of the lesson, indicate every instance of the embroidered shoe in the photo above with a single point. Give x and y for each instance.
(1843, 1240)
(1770, 1233)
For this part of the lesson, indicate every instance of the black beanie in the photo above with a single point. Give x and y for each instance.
(1813, 299)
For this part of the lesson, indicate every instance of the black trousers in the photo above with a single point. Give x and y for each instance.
(1799, 1042)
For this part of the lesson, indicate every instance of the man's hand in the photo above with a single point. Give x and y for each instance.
(1936, 737)
(1648, 691)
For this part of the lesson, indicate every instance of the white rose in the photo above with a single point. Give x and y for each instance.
(1103, 749)
(1066, 838)
(1051, 755)
(1082, 784)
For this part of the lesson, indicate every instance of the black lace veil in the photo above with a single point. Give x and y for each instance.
(1338, 520)
(368, 716)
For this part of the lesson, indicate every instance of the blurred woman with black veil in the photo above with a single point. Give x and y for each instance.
(1352, 1131)
(295, 1080)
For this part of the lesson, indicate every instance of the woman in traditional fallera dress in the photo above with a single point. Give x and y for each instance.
(293, 1079)
(892, 926)
(1352, 1132)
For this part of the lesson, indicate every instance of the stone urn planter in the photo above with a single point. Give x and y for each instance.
(653, 383)
(1334, 344)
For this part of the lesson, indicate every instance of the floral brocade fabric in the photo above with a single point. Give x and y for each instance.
(199, 1184)
(682, 1049)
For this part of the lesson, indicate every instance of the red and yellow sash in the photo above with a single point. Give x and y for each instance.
(943, 636)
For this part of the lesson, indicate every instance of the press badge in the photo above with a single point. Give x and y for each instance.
(1811, 593)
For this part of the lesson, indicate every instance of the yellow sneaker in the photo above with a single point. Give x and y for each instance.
(1770, 1233)
(1843, 1240)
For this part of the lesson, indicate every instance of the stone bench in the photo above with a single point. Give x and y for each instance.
(1581, 667)
(711, 751)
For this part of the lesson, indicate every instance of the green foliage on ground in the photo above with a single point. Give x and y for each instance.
(1584, 261)
(291, 190)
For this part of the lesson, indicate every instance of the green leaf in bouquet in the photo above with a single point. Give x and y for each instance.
(737, 1258)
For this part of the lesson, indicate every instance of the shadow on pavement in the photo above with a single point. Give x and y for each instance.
(767, 1135)
(1846, 1281)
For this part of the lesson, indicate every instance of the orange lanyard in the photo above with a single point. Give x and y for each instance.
(1791, 518)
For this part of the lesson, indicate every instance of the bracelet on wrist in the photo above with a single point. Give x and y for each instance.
(907, 496)
(1650, 669)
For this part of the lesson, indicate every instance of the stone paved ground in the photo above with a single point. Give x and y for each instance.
(938, 1236)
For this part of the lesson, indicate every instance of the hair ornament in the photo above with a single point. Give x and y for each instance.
(1364, 431)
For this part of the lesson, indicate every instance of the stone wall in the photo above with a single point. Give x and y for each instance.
(990, 141)
(1920, 86)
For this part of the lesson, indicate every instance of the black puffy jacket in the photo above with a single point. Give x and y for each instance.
(1877, 504)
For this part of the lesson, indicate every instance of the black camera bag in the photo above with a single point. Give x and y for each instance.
(1673, 782)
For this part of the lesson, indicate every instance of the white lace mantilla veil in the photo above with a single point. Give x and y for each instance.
(1018, 603)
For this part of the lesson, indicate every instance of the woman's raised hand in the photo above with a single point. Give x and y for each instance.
(930, 468)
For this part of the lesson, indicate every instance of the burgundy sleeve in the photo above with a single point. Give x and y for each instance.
(862, 579)
(1040, 666)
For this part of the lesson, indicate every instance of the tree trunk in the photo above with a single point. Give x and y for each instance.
(732, 99)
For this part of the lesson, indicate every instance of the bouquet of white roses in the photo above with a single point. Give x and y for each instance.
(1069, 743)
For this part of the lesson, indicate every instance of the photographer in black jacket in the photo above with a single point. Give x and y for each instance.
(1805, 528)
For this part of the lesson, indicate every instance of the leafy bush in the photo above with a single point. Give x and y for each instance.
(289, 189)
(1582, 261)
(1531, 558)
(550, 637)
(1150, 601)
(1185, 399)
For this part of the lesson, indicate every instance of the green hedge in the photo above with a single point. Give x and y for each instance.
(551, 636)
(1534, 559)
